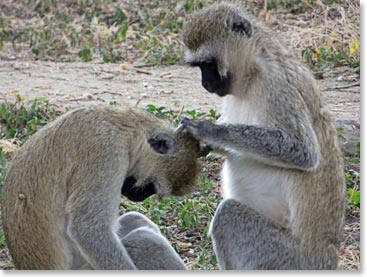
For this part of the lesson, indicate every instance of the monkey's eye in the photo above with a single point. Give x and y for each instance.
(210, 64)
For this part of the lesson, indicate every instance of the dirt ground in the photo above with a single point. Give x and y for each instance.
(69, 85)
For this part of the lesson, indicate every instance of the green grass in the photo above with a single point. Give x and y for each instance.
(19, 122)
(175, 118)
(108, 31)
(326, 58)
(2, 169)
(2, 239)
(149, 32)
(190, 214)
(353, 180)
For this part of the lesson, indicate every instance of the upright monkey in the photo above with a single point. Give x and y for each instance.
(62, 192)
(283, 180)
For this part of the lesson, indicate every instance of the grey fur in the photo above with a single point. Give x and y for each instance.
(61, 195)
(276, 145)
(146, 246)
(283, 166)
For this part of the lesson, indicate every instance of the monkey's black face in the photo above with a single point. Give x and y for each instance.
(211, 80)
(136, 194)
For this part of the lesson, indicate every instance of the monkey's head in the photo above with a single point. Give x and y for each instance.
(178, 166)
(215, 40)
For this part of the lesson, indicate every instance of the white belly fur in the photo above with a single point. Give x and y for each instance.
(260, 186)
(257, 185)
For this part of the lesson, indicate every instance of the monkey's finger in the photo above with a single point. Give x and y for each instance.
(183, 124)
(205, 150)
(185, 121)
(180, 128)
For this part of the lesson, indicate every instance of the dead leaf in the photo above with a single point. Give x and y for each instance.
(139, 70)
(43, 87)
(14, 92)
(166, 75)
(184, 244)
(9, 148)
(127, 66)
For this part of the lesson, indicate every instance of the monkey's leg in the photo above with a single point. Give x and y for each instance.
(134, 220)
(244, 239)
(146, 246)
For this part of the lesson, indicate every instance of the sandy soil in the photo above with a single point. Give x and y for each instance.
(69, 85)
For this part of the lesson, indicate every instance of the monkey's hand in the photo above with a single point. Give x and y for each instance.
(200, 130)
(205, 150)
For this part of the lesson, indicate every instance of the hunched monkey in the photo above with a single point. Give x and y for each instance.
(283, 179)
(62, 192)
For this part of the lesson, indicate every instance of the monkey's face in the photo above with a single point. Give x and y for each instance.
(211, 79)
(211, 37)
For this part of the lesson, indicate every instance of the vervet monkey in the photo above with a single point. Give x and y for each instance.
(62, 192)
(283, 180)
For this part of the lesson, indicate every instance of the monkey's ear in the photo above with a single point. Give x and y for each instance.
(241, 26)
(162, 143)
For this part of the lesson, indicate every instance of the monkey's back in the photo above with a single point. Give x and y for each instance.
(322, 191)
(38, 184)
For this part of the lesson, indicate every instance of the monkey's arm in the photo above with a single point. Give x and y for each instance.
(274, 146)
(100, 246)
(92, 213)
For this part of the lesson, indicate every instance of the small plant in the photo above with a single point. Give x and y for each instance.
(358, 147)
(190, 213)
(206, 260)
(197, 116)
(340, 133)
(18, 121)
(354, 197)
(175, 118)
(85, 54)
(2, 170)
(325, 58)
(161, 112)
(2, 239)
(352, 180)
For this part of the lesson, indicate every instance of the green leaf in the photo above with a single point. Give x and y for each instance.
(85, 55)
(354, 197)
(124, 31)
(106, 59)
(2, 159)
(151, 108)
(36, 51)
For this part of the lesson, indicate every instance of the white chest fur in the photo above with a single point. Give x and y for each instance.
(257, 185)
(236, 111)
(248, 180)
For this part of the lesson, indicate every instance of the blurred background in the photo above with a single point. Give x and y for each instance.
(324, 32)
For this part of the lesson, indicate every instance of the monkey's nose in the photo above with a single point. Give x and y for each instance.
(207, 86)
